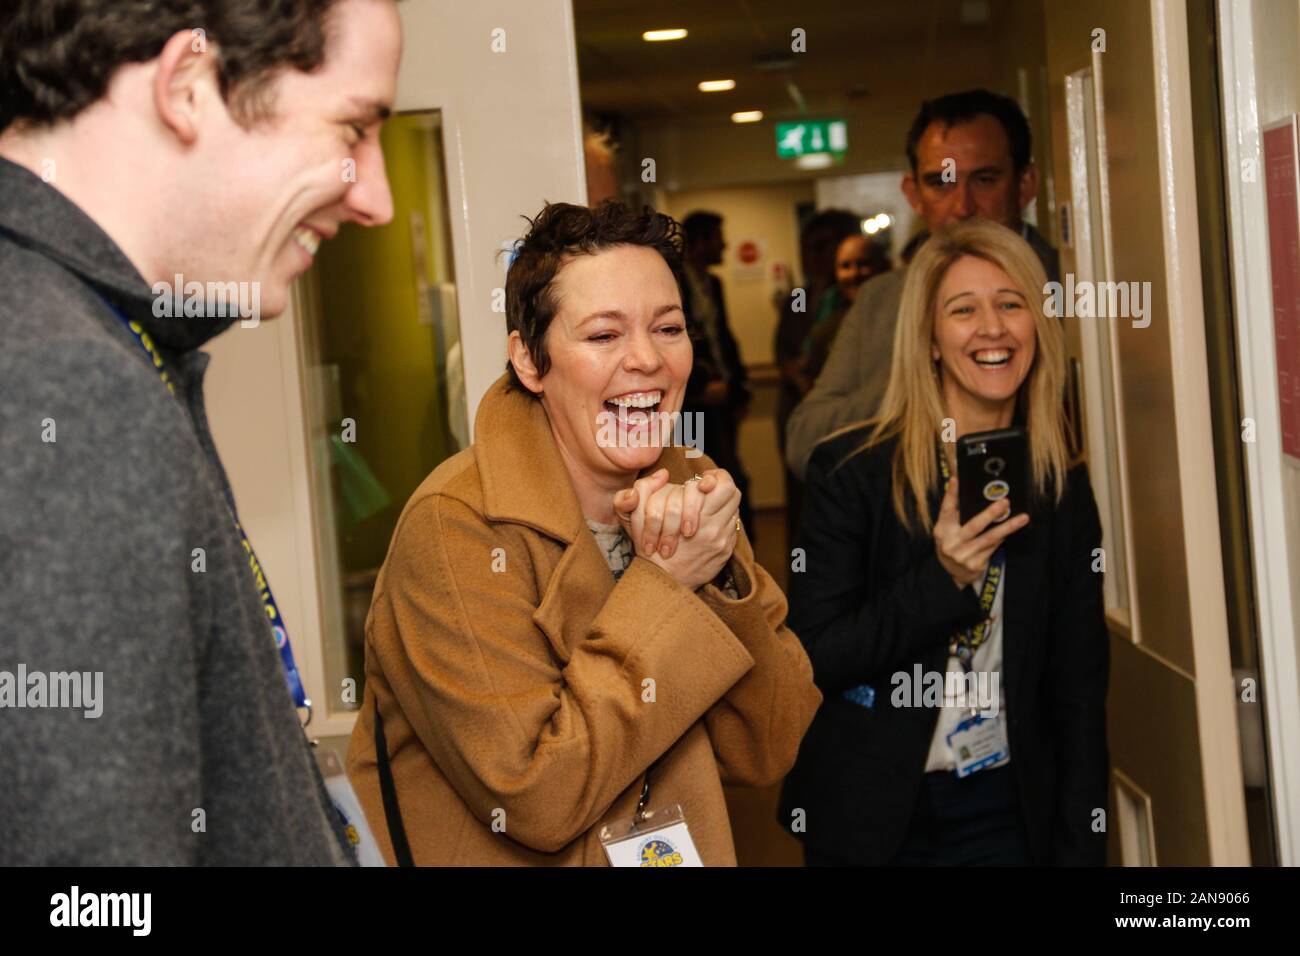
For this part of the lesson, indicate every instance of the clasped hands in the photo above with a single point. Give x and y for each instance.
(689, 530)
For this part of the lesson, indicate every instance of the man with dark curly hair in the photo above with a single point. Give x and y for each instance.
(167, 168)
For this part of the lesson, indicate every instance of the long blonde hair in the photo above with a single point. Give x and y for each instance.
(912, 409)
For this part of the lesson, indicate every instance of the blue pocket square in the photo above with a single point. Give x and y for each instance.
(863, 694)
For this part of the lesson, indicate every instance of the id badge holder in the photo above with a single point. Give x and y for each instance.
(345, 801)
(979, 743)
(656, 838)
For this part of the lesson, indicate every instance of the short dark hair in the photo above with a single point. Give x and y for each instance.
(700, 225)
(560, 232)
(57, 56)
(839, 222)
(957, 108)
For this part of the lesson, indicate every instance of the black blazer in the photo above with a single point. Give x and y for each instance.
(874, 600)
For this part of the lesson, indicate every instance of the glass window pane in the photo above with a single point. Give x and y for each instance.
(386, 397)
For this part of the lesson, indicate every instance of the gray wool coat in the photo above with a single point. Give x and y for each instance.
(97, 532)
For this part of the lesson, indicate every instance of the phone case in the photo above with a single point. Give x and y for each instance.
(990, 466)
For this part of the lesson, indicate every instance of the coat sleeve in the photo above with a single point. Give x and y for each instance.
(860, 621)
(552, 743)
(93, 583)
(756, 728)
(850, 385)
(1078, 671)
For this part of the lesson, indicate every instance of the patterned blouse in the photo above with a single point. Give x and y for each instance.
(614, 544)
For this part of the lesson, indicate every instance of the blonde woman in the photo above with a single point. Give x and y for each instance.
(893, 601)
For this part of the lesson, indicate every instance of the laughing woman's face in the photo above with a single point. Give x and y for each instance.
(620, 358)
(984, 336)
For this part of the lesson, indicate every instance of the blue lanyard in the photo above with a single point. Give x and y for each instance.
(278, 629)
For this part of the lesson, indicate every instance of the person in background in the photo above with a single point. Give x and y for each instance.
(1005, 613)
(970, 155)
(570, 627)
(131, 154)
(819, 240)
(718, 391)
(857, 259)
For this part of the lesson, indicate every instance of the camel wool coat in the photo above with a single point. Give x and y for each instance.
(524, 693)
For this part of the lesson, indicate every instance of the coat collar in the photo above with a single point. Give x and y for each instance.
(37, 216)
(523, 477)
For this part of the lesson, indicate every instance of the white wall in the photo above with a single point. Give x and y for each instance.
(514, 140)
(1261, 84)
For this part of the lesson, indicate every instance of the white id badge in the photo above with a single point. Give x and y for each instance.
(345, 801)
(661, 838)
(979, 743)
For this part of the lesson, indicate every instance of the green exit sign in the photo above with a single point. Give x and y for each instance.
(811, 136)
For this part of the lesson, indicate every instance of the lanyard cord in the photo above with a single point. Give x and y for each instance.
(276, 620)
(645, 795)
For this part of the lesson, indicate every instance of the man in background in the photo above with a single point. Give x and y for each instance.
(819, 241)
(145, 143)
(718, 389)
(970, 154)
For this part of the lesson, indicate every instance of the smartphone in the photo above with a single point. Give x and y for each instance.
(992, 466)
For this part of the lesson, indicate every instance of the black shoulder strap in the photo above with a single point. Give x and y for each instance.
(392, 812)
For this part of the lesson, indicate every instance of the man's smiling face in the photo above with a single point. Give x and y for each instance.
(966, 170)
(284, 184)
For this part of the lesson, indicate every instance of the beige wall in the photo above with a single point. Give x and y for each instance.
(765, 214)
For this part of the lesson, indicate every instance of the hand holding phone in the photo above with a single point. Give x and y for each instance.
(985, 504)
(964, 549)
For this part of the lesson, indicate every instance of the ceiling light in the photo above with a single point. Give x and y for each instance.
(655, 36)
(871, 227)
(814, 161)
(747, 116)
(717, 86)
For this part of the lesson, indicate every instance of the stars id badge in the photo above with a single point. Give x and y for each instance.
(659, 838)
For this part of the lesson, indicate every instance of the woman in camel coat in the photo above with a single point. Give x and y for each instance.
(534, 670)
